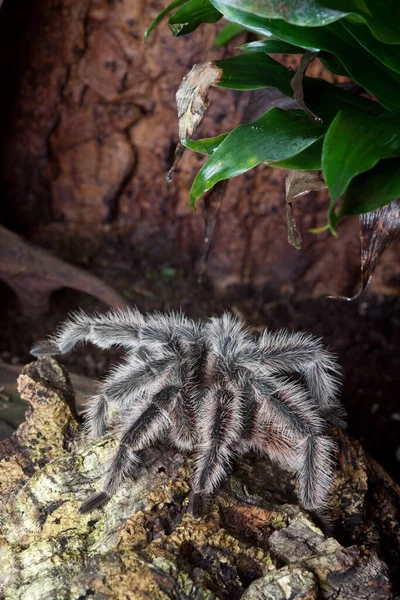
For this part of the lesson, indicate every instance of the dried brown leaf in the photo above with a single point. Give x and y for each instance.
(192, 102)
(259, 101)
(211, 206)
(297, 83)
(297, 184)
(377, 230)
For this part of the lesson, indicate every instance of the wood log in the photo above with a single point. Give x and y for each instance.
(256, 542)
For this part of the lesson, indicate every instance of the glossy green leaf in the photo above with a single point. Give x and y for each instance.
(253, 72)
(354, 144)
(381, 16)
(309, 159)
(161, 15)
(205, 146)
(331, 63)
(191, 15)
(272, 46)
(277, 136)
(299, 12)
(373, 189)
(387, 54)
(361, 65)
(256, 71)
(228, 33)
(377, 79)
(250, 21)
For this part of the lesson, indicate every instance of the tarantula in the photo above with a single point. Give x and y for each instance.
(212, 388)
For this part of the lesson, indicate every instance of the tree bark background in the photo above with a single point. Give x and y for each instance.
(90, 122)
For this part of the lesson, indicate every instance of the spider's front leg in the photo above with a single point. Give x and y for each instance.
(139, 433)
(115, 328)
(285, 352)
(135, 375)
(219, 426)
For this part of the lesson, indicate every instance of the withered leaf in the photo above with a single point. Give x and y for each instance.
(297, 83)
(377, 230)
(297, 184)
(211, 206)
(262, 100)
(192, 102)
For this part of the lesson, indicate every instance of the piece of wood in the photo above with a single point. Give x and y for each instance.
(34, 274)
(255, 543)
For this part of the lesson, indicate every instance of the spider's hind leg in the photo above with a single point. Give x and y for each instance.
(315, 471)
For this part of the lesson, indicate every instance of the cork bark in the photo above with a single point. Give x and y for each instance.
(91, 130)
(256, 542)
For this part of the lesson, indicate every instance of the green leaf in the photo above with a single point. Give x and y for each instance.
(272, 46)
(205, 146)
(257, 71)
(253, 72)
(277, 136)
(373, 189)
(191, 15)
(227, 33)
(250, 21)
(377, 79)
(331, 63)
(381, 16)
(309, 159)
(299, 12)
(161, 15)
(387, 54)
(354, 143)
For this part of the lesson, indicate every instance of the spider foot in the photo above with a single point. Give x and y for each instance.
(45, 349)
(93, 502)
(201, 505)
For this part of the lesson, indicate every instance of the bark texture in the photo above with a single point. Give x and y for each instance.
(255, 543)
(92, 134)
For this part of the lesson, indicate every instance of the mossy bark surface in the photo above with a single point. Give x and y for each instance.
(256, 543)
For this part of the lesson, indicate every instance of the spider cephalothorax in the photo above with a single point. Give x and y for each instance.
(212, 388)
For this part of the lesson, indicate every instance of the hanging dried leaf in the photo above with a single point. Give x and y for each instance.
(297, 184)
(211, 206)
(297, 83)
(262, 100)
(377, 230)
(192, 102)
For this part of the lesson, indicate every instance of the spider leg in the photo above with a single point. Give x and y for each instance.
(141, 432)
(286, 405)
(127, 382)
(115, 328)
(220, 426)
(292, 438)
(315, 472)
(286, 352)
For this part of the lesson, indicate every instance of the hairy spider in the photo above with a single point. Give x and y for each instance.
(212, 388)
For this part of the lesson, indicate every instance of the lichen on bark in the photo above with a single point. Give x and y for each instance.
(255, 542)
